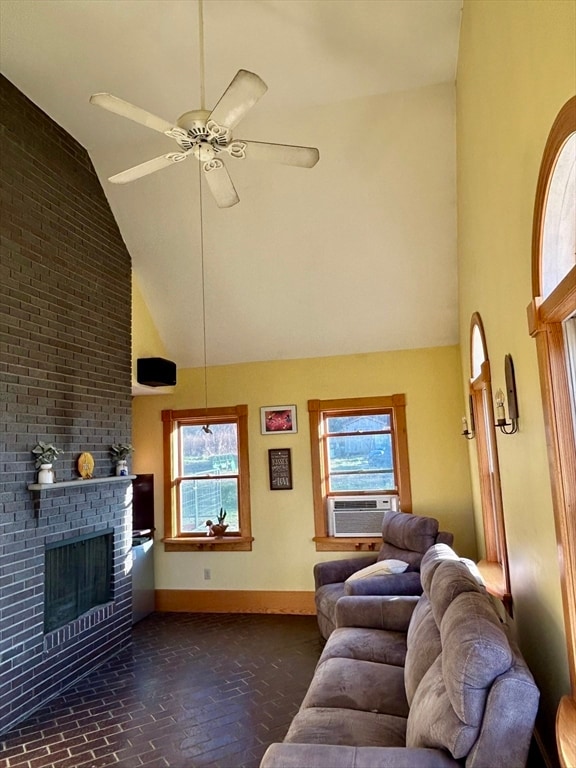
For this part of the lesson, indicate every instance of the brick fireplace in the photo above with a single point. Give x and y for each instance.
(78, 577)
(65, 304)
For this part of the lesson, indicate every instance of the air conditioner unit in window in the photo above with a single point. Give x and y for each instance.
(358, 515)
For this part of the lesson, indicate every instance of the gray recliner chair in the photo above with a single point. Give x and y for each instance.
(405, 537)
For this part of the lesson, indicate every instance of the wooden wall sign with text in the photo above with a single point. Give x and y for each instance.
(280, 466)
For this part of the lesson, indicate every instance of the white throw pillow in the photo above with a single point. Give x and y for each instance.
(379, 569)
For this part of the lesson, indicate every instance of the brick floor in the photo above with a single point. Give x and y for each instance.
(193, 691)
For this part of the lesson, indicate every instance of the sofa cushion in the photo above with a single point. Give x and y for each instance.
(336, 571)
(326, 598)
(451, 578)
(422, 609)
(475, 650)
(363, 685)
(390, 552)
(437, 554)
(379, 568)
(412, 532)
(423, 646)
(385, 584)
(379, 645)
(390, 612)
(347, 726)
(448, 705)
(432, 722)
(509, 717)
(343, 756)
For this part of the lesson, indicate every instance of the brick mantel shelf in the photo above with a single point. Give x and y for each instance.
(78, 482)
(38, 489)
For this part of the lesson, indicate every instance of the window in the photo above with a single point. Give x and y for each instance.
(494, 566)
(551, 322)
(205, 471)
(558, 229)
(358, 446)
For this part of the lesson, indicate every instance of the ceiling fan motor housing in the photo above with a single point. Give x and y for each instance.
(202, 135)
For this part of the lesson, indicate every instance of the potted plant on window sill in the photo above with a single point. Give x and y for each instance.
(120, 453)
(218, 529)
(45, 455)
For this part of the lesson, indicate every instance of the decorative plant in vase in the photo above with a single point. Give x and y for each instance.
(219, 528)
(120, 453)
(45, 454)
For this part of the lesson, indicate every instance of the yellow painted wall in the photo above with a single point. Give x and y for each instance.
(517, 67)
(146, 341)
(282, 521)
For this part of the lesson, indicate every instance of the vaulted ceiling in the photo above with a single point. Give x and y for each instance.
(357, 254)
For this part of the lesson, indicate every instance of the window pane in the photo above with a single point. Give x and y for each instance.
(360, 452)
(364, 482)
(205, 454)
(570, 340)
(202, 500)
(478, 352)
(368, 423)
(559, 233)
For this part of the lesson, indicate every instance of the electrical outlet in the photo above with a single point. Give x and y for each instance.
(207, 574)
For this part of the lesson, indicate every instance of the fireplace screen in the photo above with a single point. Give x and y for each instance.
(78, 577)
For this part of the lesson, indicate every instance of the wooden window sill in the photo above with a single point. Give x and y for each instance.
(493, 576)
(208, 544)
(345, 544)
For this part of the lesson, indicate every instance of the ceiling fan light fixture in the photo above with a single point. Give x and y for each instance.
(203, 151)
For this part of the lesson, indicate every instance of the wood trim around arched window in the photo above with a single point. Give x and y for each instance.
(562, 128)
(545, 319)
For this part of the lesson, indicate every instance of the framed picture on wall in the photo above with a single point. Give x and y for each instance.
(280, 469)
(278, 418)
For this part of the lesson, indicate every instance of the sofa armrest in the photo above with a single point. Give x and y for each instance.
(337, 571)
(388, 584)
(376, 612)
(290, 755)
(444, 537)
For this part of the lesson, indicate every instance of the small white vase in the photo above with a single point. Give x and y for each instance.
(46, 474)
(121, 468)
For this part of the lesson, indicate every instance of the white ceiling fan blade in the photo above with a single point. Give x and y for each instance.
(150, 166)
(240, 96)
(304, 157)
(125, 109)
(220, 184)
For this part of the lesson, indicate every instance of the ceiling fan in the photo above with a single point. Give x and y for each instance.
(208, 135)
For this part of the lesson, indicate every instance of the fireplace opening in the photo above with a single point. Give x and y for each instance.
(78, 577)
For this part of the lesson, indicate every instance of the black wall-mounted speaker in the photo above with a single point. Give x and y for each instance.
(155, 372)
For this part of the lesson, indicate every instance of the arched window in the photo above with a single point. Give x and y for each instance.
(552, 322)
(494, 565)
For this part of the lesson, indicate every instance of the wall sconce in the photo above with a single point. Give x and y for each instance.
(469, 434)
(501, 421)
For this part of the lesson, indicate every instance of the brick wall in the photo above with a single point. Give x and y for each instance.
(65, 375)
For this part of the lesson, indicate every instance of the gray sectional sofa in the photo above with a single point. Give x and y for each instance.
(416, 682)
(404, 537)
